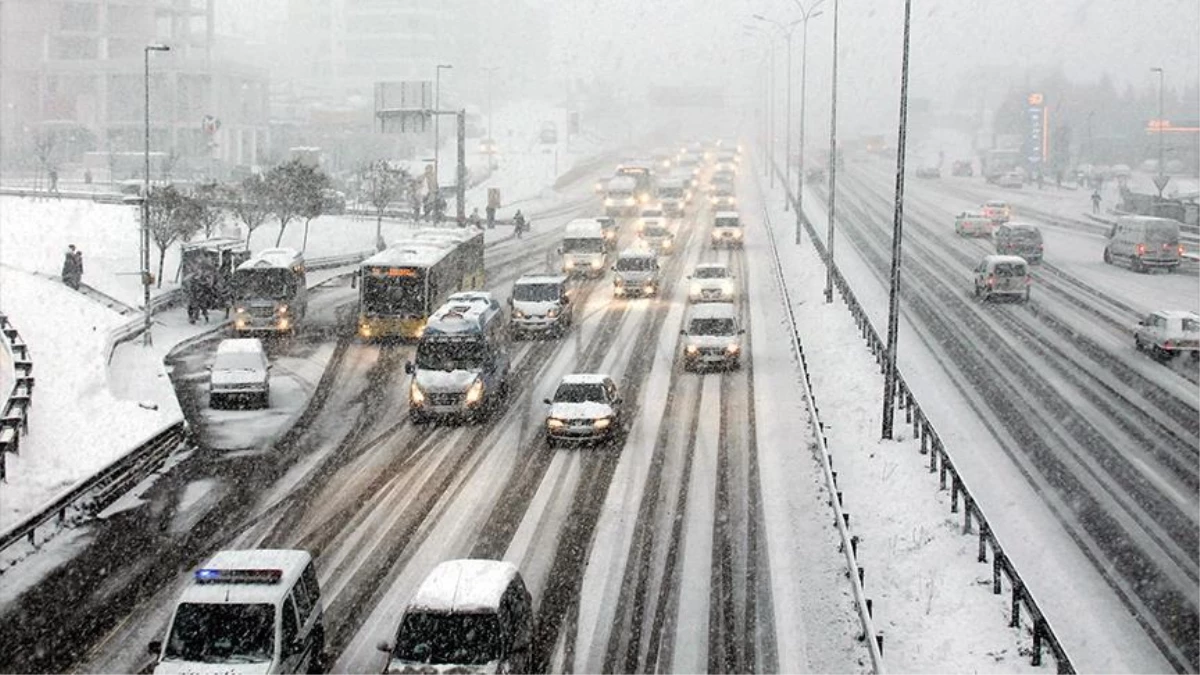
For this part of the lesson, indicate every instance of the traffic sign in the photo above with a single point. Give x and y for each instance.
(1160, 182)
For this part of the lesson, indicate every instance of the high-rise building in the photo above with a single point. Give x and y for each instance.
(72, 71)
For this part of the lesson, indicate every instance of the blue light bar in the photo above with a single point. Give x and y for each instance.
(253, 576)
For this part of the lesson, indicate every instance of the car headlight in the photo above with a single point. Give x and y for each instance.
(649, 288)
(364, 330)
(693, 349)
(284, 323)
(608, 202)
(727, 287)
(555, 423)
(240, 324)
(569, 264)
(666, 244)
(475, 393)
(696, 290)
(602, 423)
(282, 309)
(551, 313)
(518, 314)
(733, 348)
(239, 310)
(415, 395)
(596, 264)
(643, 198)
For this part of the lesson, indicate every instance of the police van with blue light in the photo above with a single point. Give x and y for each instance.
(253, 611)
(462, 364)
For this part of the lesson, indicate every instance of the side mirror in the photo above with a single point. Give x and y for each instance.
(155, 647)
(741, 331)
(547, 401)
(683, 332)
(409, 368)
(510, 301)
(383, 647)
(208, 368)
(566, 300)
(618, 400)
(270, 366)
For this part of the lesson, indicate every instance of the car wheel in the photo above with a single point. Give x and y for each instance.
(417, 418)
(1107, 256)
(215, 402)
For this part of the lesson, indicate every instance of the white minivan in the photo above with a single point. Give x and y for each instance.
(468, 616)
(239, 371)
(1143, 243)
(252, 611)
(584, 248)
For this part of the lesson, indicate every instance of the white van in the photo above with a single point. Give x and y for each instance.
(467, 616)
(247, 611)
(1144, 242)
(584, 250)
(1002, 276)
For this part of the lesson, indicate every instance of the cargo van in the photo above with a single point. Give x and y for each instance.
(584, 250)
(462, 365)
(1002, 276)
(253, 611)
(1144, 243)
(466, 616)
(636, 271)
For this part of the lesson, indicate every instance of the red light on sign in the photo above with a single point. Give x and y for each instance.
(401, 272)
(1035, 99)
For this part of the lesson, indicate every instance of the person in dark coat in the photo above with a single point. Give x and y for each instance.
(72, 269)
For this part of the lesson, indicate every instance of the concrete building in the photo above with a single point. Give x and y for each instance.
(71, 76)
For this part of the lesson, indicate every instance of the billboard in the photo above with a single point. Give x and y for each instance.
(404, 107)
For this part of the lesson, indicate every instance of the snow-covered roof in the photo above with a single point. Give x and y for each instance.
(671, 182)
(465, 313)
(541, 279)
(726, 214)
(273, 258)
(464, 586)
(622, 183)
(1177, 314)
(239, 346)
(410, 253)
(442, 234)
(584, 227)
(217, 243)
(285, 565)
(637, 253)
(713, 310)
(584, 378)
(1012, 259)
(712, 266)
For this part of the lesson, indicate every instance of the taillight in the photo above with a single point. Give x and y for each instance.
(991, 281)
(1028, 280)
(1141, 249)
(1168, 345)
(1181, 249)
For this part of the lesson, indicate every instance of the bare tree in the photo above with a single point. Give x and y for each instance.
(209, 194)
(44, 142)
(382, 185)
(250, 203)
(171, 216)
(295, 190)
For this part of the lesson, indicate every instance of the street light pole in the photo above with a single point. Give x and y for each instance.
(786, 31)
(833, 162)
(889, 368)
(1161, 170)
(437, 129)
(145, 245)
(806, 15)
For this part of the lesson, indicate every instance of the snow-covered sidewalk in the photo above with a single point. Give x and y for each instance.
(933, 601)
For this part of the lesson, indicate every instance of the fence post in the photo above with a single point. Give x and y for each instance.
(924, 440)
(997, 564)
(954, 494)
(983, 535)
(1038, 627)
(1015, 620)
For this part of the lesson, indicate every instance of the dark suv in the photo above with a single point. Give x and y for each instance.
(1019, 239)
(962, 168)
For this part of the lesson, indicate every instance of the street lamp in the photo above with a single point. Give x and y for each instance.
(1160, 183)
(152, 47)
(786, 31)
(437, 135)
(833, 162)
(491, 140)
(769, 103)
(806, 15)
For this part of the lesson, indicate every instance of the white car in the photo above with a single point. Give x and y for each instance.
(239, 371)
(1011, 179)
(713, 337)
(585, 407)
(711, 282)
(1166, 334)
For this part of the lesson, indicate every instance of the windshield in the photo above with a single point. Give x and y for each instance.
(655, 231)
(264, 284)
(222, 633)
(579, 393)
(584, 245)
(671, 193)
(724, 190)
(711, 273)
(711, 327)
(537, 292)
(439, 638)
(726, 222)
(435, 354)
(638, 264)
(393, 295)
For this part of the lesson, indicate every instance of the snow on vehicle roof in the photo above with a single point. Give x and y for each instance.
(971, 214)
(713, 310)
(464, 586)
(464, 313)
(726, 214)
(410, 254)
(1013, 259)
(584, 378)
(583, 227)
(1177, 314)
(455, 235)
(541, 279)
(289, 563)
(622, 183)
(712, 266)
(995, 202)
(671, 182)
(282, 258)
(637, 253)
(239, 345)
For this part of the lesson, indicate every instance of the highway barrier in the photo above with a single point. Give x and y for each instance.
(940, 462)
(15, 420)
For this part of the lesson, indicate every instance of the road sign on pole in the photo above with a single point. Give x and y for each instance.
(1160, 182)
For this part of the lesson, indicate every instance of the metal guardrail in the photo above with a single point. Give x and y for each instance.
(100, 490)
(940, 462)
(841, 519)
(15, 420)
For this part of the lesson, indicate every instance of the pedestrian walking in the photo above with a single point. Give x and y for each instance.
(72, 269)
(518, 223)
(491, 216)
(1096, 201)
(54, 181)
